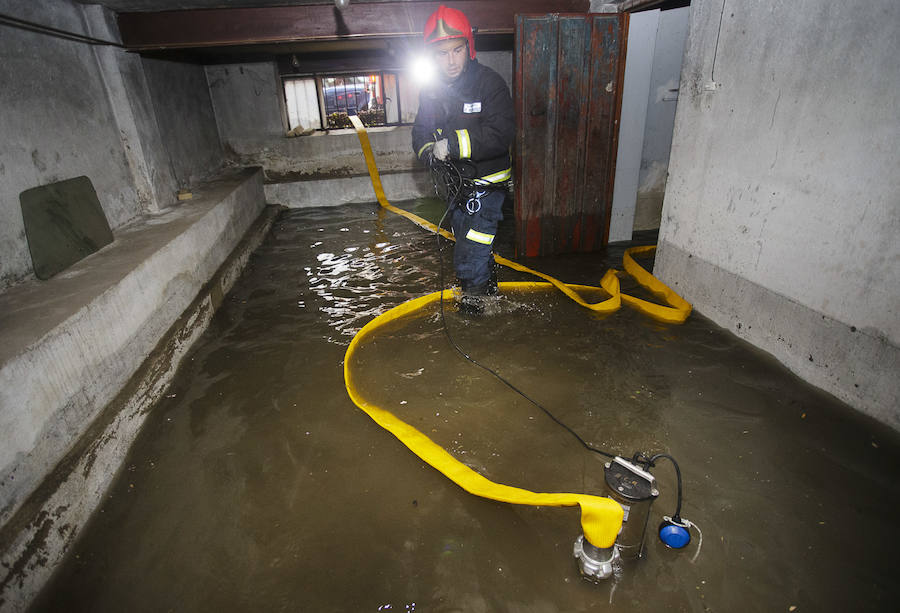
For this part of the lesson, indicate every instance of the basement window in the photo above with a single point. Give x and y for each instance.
(325, 102)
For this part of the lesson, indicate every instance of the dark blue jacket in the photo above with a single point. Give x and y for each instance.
(475, 114)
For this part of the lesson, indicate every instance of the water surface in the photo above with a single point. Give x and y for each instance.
(256, 485)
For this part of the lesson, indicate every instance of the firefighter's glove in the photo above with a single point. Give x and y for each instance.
(441, 149)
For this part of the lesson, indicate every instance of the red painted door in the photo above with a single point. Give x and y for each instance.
(568, 90)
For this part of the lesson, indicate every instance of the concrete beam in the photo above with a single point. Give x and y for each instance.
(242, 26)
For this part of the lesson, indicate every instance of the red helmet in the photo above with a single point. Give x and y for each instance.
(447, 23)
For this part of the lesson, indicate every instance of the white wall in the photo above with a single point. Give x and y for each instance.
(638, 69)
(668, 52)
(652, 70)
(782, 210)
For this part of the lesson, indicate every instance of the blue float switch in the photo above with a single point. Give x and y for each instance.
(674, 534)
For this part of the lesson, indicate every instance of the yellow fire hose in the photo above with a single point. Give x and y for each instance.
(601, 518)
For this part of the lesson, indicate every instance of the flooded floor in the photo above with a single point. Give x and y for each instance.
(256, 485)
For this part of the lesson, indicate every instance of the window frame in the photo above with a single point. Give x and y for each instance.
(319, 80)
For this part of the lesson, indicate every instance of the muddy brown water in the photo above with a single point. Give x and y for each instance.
(256, 485)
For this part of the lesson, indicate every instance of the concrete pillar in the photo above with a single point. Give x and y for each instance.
(132, 106)
(782, 208)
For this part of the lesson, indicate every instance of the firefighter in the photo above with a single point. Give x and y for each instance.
(467, 119)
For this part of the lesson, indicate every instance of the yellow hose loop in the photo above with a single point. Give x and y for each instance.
(607, 306)
(610, 283)
(678, 309)
(601, 517)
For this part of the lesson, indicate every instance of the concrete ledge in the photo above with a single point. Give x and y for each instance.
(327, 192)
(858, 366)
(37, 537)
(70, 399)
(71, 343)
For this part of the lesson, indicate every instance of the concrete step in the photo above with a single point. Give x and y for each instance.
(356, 188)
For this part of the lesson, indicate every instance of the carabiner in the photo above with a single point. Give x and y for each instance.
(473, 204)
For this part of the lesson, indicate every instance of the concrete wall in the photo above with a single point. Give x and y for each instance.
(500, 61)
(129, 96)
(248, 109)
(247, 102)
(56, 123)
(782, 209)
(138, 129)
(187, 123)
(72, 390)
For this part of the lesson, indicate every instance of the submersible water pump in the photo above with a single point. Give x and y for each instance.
(633, 487)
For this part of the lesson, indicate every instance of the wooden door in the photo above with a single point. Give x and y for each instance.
(568, 71)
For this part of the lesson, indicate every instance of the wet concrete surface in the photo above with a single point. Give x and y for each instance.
(258, 486)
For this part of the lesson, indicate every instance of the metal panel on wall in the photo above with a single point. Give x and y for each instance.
(567, 100)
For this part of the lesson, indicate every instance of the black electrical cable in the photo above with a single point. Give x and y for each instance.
(451, 190)
(450, 185)
(651, 461)
(39, 28)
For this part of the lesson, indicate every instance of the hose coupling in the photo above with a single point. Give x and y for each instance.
(595, 563)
